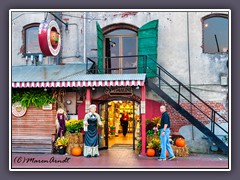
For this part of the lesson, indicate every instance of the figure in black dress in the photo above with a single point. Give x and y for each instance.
(124, 122)
(91, 120)
(61, 122)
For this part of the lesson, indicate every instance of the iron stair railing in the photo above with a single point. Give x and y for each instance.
(161, 75)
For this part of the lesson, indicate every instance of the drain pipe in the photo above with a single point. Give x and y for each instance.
(189, 70)
(58, 15)
(84, 36)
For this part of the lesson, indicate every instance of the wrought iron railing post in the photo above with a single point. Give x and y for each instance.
(159, 77)
(179, 89)
(213, 122)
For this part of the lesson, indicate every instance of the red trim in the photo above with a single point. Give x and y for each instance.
(143, 118)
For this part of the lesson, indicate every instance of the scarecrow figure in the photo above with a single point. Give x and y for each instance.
(61, 119)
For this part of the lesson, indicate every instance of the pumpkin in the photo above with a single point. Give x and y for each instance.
(150, 152)
(76, 151)
(54, 37)
(180, 142)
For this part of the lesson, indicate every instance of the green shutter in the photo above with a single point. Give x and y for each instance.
(100, 39)
(147, 45)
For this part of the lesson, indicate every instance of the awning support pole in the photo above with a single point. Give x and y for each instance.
(88, 98)
(143, 119)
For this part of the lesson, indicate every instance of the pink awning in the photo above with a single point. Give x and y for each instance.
(98, 83)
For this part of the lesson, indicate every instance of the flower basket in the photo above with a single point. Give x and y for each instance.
(61, 145)
(61, 150)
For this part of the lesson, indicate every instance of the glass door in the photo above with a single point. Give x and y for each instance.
(121, 43)
(103, 132)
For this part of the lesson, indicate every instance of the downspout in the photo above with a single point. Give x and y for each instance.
(189, 70)
(84, 36)
(58, 14)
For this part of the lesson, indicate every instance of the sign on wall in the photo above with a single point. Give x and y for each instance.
(18, 110)
(143, 107)
(47, 107)
(49, 38)
(119, 91)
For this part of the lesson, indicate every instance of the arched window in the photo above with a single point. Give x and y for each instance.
(215, 33)
(30, 39)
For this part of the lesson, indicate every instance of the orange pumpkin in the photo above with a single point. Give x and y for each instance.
(76, 151)
(150, 152)
(54, 37)
(180, 142)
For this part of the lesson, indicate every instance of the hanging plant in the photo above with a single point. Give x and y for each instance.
(37, 98)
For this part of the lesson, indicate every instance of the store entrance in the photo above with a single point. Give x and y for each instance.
(121, 124)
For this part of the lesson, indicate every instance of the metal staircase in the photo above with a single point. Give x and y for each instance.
(163, 80)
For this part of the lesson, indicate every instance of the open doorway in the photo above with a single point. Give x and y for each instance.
(116, 134)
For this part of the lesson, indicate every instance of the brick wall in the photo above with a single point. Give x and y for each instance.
(178, 120)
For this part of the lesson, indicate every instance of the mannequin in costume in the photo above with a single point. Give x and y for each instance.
(61, 119)
(91, 120)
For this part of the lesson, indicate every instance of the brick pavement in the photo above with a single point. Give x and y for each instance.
(117, 159)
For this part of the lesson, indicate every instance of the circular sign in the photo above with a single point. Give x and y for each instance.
(49, 38)
(18, 110)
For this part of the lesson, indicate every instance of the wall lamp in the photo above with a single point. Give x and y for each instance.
(113, 44)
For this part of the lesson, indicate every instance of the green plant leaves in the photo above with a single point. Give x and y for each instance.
(36, 97)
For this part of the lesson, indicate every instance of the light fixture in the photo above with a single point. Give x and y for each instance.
(93, 88)
(137, 87)
(68, 102)
(45, 89)
(112, 43)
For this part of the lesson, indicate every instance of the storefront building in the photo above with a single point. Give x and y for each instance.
(123, 61)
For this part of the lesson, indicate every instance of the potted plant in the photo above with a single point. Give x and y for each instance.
(156, 145)
(112, 130)
(74, 125)
(61, 145)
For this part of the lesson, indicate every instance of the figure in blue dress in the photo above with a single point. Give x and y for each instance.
(91, 122)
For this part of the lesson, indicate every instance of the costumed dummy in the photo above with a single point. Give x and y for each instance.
(61, 122)
(91, 121)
